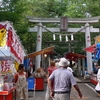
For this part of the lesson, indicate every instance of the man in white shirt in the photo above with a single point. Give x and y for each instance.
(69, 68)
(57, 63)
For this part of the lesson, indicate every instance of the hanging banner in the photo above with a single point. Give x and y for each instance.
(91, 49)
(26, 63)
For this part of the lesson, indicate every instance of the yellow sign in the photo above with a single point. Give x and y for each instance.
(16, 65)
(2, 72)
(97, 39)
(3, 31)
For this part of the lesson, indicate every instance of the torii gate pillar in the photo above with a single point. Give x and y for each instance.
(88, 43)
(38, 46)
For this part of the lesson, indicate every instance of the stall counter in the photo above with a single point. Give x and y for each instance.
(7, 95)
(93, 79)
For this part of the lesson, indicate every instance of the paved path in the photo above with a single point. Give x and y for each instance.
(40, 95)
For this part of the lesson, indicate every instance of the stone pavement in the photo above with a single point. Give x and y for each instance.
(40, 95)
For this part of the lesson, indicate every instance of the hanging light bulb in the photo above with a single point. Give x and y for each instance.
(60, 37)
(72, 38)
(66, 38)
(54, 38)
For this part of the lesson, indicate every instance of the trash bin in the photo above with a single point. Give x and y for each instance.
(39, 84)
(31, 83)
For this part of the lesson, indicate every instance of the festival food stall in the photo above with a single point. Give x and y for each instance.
(75, 63)
(95, 51)
(11, 55)
(37, 79)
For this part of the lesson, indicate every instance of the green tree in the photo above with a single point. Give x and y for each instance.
(14, 11)
(17, 10)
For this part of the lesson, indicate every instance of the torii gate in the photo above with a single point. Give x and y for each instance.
(86, 29)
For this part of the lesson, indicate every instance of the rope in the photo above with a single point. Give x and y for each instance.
(63, 34)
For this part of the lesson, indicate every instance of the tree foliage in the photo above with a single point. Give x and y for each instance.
(14, 11)
(17, 10)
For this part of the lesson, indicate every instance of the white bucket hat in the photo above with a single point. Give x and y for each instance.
(63, 62)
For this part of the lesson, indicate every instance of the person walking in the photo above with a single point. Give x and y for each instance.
(97, 88)
(69, 69)
(63, 79)
(57, 63)
(51, 68)
(21, 83)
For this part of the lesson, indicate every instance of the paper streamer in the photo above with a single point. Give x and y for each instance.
(66, 38)
(72, 37)
(54, 38)
(60, 37)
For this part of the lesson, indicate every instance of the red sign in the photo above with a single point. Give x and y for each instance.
(5, 66)
(11, 40)
(15, 45)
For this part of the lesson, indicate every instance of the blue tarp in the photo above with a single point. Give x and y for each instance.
(26, 63)
(98, 50)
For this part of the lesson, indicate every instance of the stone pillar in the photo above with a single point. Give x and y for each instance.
(83, 66)
(69, 47)
(38, 46)
(88, 54)
(79, 67)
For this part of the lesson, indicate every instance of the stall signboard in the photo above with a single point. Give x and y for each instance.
(5, 66)
(97, 39)
(9, 39)
(3, 34)
(16, 65)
